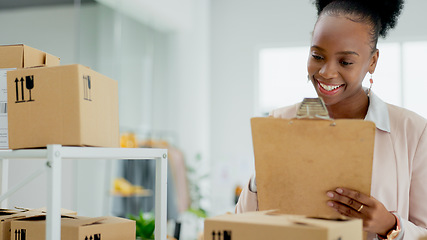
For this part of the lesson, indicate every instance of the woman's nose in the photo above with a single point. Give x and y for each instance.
(328, 71)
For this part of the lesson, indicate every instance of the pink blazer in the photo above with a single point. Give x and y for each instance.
(399, 174)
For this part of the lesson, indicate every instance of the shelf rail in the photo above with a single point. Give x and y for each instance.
(54, 155)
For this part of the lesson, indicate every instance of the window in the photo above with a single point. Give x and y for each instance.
(283, 77)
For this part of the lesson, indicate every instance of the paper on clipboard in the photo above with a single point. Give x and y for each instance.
(298, 160)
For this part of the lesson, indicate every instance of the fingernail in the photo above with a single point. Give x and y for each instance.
(330, 204)
(330, 194)
(339, 190)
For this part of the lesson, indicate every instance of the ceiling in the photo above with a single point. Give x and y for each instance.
(8, 4)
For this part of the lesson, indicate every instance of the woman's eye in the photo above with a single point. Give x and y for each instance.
(346, 63)
(317, 57)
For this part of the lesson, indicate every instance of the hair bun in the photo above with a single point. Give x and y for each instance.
(386, 11)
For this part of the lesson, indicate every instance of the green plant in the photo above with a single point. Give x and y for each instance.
(144, 225)
(198, 212)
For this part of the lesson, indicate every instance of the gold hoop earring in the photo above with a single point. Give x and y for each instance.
(371, 81)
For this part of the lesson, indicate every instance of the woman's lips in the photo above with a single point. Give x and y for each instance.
(328, 89)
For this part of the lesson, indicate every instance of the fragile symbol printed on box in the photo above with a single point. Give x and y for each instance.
(20, 92)
(94, 237)
(20, 234)
(87, 86)
(224, 235)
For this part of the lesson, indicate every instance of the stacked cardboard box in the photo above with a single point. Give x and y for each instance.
(274, 226)
(7, 216)
(69, 105)
(31, 224)
(17, 57)
(76, 228)
(47, 104)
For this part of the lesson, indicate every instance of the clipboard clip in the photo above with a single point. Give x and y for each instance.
(313, 108)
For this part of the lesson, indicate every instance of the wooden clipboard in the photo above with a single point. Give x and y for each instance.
(298, 160)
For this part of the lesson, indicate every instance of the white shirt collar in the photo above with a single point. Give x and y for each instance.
(378, 113)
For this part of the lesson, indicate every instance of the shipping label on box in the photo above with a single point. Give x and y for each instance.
(4, 139)
(273, 226)
(69, 105)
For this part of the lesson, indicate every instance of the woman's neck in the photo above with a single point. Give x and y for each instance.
(356, 108)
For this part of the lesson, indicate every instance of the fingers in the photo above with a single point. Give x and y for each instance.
(344, 209)
(355, 195)
(349, 202)
(342, 201)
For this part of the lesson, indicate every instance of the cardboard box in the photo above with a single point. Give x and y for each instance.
(76, 228)
(13, 57)
(423, 238)
(8, 215)
(273, 226)
(69, 105)
(298, 160)
(22, 56)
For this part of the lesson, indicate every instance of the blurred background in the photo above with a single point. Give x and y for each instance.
(191, 74)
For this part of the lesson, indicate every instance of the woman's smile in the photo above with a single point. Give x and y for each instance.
(328, 89)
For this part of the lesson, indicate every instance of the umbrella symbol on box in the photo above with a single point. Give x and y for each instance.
(87, 87)
(29, 84)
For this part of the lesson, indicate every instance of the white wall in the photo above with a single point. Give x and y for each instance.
(189, 90)
(164, 15)
(239, 28)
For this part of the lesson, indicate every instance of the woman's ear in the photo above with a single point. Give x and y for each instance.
(374, 61)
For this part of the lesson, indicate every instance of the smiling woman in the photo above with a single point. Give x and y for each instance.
(343, 50)
(339, 63)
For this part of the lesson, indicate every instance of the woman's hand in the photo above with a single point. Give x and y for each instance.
(376, 218)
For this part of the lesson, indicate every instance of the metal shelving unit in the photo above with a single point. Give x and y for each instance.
(53, 156)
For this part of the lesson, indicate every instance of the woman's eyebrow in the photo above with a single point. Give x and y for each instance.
(347, 53)
(338, 53)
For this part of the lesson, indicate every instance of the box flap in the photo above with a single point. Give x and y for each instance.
(275, 218)
(10, 211)
(51, 60)
(12, 56)
(21, 56)
(39, 217)
(63, 211)
(22, 215)
(17, 44)
(80, 221)
(90, 221)
(30, 213)
(33, 57)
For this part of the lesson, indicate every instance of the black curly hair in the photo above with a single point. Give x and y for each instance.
(380, 14)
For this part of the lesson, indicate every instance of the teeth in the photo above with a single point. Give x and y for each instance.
(329, 87)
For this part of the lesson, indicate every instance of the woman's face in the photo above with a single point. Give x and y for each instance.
(340, 56)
